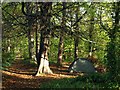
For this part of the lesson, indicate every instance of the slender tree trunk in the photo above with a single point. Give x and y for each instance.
(36, 32)
(36, 40)
(61, 40)
(60, 51)
(29, 44)
(76, 39)
(91, 31)
(9, 46)
(32, 44)
(29, 30)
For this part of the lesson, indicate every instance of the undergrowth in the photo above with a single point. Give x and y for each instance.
(7, 59)
(93, 81)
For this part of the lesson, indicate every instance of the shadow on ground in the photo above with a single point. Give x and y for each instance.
(20, 75)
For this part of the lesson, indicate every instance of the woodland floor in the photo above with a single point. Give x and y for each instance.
(19, 75)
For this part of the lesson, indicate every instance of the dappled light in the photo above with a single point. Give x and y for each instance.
(21, 76)
(60, 45)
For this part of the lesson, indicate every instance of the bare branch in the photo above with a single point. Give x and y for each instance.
(12, 16)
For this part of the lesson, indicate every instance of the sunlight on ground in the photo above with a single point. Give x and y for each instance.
(21, 75)
(41, 75)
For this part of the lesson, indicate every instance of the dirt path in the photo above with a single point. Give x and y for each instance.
(20, 75)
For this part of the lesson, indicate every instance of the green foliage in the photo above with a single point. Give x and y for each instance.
(53, 49)
(108, 47)
(113, 46)
(101, 47)
(113, 57)
(21, 48)
(68, 49)
(24, 48)
(7, 59)
(118, 55)
(15, 29)
(92, 81)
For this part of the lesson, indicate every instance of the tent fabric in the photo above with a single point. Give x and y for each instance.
(82, 65)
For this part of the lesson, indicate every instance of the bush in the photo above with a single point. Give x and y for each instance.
(7, 59)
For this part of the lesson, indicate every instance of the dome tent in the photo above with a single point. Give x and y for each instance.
(82, 65)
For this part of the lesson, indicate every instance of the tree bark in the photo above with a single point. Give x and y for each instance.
(29, 44)
(76, 39)
(61, 40)
(60, 51)
(36, 40)
(30, 38)
(91, 31)
(43, 55)
(9, 46)
(43, 63)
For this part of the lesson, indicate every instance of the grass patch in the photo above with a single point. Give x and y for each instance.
(94, 81)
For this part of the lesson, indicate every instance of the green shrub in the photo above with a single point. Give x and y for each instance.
(7, 59)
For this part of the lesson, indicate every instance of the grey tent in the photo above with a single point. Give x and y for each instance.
(82, 65)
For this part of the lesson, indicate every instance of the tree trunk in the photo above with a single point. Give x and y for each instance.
(29, 44)
(9, 46)
(76, 39)
(43, 55)
(91, 31)
(36, 40)
(30, 38)
(60, 48)
(30, 19)
(60, 51)
(43, 63)
(36, 32)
